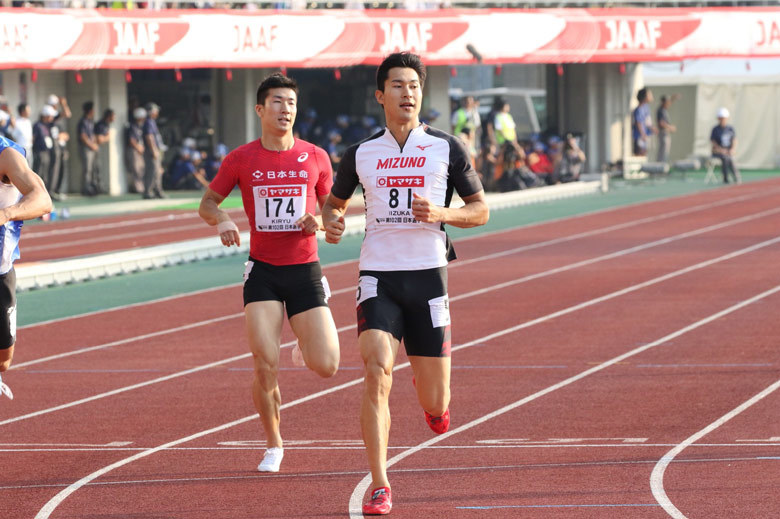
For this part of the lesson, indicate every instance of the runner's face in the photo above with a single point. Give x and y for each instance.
(402, 97)
(278, 112)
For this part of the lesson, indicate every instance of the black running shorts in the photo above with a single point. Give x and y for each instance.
(412, 305)
(7, 309)
(300, 287)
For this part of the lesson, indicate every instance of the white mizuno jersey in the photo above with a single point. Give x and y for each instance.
(431, 164)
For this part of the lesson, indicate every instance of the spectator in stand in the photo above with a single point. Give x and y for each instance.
(665, 127)
(60, 157)
(642, 122)
(215, 161)
(88, 149)
(307, 128)
(539, 162)
(7, 121)
(134, 152)
(486, 166)
(335, 148)
(466, 120)
(153, 154)
(188, 171)
(6, 129)
(572, 161)
(43, 143)
(103, 126)
(22, 133)
(724, 146)
(488, 124)
(504, 126)
(512, 172)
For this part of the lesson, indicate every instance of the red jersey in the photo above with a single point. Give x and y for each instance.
(277, 188)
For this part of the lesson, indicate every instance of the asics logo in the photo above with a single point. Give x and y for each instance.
(303, 156)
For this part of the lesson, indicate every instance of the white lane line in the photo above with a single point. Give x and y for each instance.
(657, 476)
(134, 339)
(301, 475)
(49, 507)
(37, 232)
(506, 284)
(129, 340)
(513, 329)
(355, 501)
(651, 219)
(57, 499)
(112, 237)
(261, 444)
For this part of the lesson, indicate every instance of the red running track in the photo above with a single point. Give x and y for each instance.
(618, 364)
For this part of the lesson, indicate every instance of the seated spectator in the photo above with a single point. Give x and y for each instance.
(539, 162)
(511, 171)
(335, 148)
(486, 166)
(213, 162)
(572, 161)
(187, 172)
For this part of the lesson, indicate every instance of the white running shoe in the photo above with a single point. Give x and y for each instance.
(272, 460)
(297, 356)
(5, 390)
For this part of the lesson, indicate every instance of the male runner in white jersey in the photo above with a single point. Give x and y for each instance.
(281, 180)
(22, 196)
(408, 172)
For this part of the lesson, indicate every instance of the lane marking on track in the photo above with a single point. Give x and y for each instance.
(420, 470)
(530, 277)
(500, 507)
(355, 500)
(657, 476)
(111, 237)
(35, 233)
(259, 445)
(452, 299)
(651, 219)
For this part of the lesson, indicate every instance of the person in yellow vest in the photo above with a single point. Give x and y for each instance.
(505, 126)
(465, 121)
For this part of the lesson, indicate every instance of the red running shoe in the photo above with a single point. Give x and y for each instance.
(380, 503)
(438, 424)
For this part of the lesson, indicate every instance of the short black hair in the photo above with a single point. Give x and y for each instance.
(108, 113)
(21, 107)
(641, 95)
(275, 80)
(88, 106)
(402, 60)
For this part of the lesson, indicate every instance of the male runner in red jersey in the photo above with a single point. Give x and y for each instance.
(281, 180)
(408, 172)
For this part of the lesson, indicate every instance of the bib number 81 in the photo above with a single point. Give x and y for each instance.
(394, 201)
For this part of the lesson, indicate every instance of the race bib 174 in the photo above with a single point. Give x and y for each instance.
(277, 208)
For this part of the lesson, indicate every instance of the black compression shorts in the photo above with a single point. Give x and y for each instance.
(300, 287)
(412, 305)
(7, 309)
